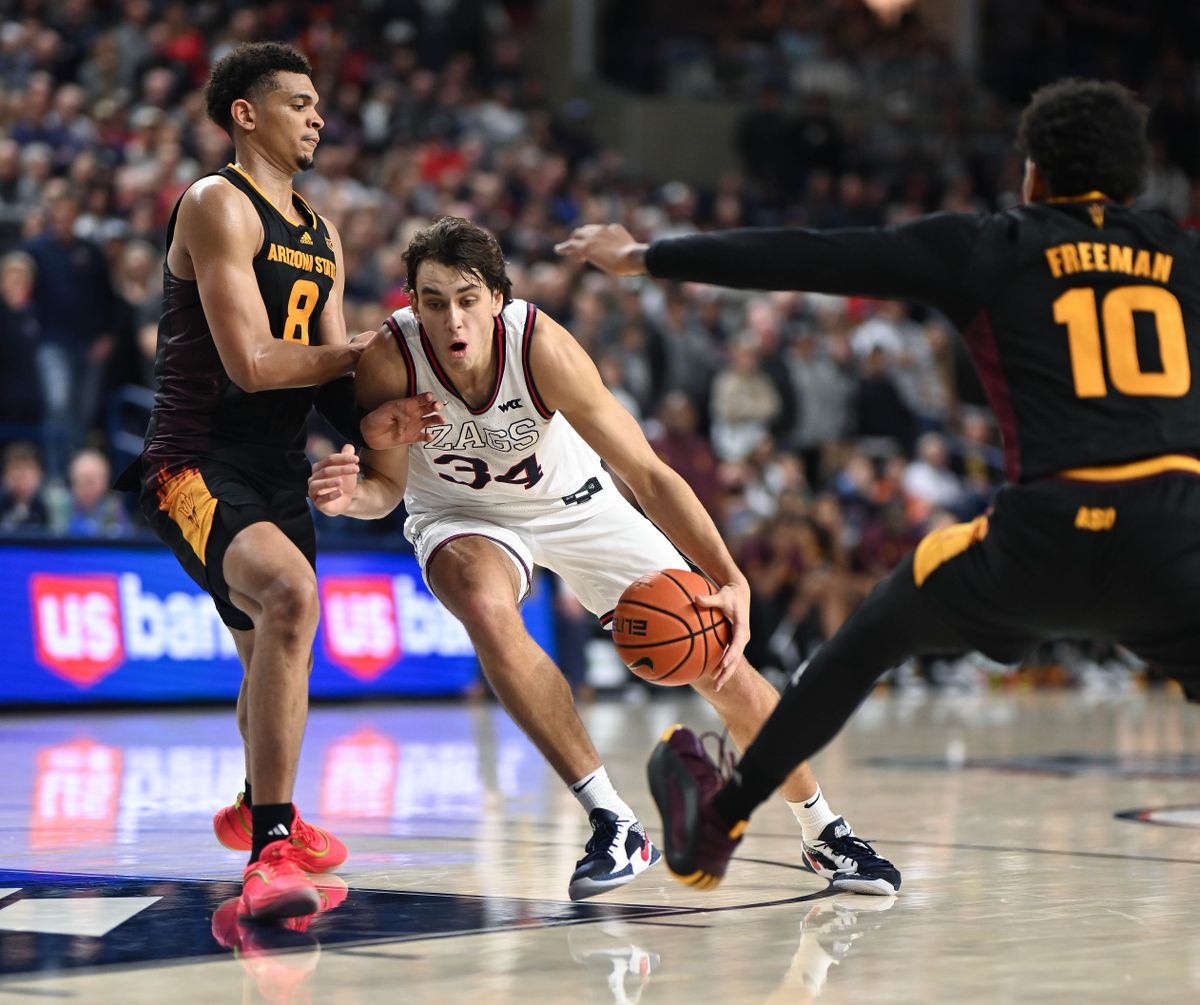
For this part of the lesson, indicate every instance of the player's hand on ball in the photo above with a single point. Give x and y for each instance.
(608, 246)
(401, 421)
(733, 600)
(333, 480)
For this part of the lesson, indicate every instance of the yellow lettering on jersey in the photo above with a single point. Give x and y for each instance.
(1120, 258)
(1092, 256)
(469, 437)
(1054, 260)
(302, 260)
(1096, 517)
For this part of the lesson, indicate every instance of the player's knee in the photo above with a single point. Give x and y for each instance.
(489, 618)
(290, 603)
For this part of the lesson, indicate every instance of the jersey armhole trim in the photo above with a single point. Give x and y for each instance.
(409, 365)
(526, 341)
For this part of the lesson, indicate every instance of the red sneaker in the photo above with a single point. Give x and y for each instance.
(234, 826)
(317, 849)
(276, 886)
(320, 850)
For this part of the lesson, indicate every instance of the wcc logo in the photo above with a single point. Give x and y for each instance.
(505, 406)
(358, 615)
(77, 625)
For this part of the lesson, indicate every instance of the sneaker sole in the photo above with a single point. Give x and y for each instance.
(863, 884)
(665, 767)
(582, 889)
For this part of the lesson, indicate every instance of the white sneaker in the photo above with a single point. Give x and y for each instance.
(618, 850)
(850, 863)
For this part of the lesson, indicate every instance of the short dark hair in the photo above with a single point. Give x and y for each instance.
(462, 245)
(21, 452)
(249, 72)
(1087, 135)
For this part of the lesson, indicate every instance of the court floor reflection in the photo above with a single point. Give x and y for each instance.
(1022, 824)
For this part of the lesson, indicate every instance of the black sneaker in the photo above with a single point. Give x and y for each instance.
(849, 863)
(683, 780)
(618, 850)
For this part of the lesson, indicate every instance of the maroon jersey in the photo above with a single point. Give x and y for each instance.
(198, 410)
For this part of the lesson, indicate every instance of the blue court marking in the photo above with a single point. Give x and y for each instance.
(179, 927)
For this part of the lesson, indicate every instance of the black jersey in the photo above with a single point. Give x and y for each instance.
(1082, 316)
(198, 410)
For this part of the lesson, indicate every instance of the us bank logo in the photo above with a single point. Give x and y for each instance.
(370, 621)
(87, 626)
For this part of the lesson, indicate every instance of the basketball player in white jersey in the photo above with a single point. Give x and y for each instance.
(512, 478)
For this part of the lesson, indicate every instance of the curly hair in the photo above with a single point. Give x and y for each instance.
(461, 245)
(1087, 135)
(249, 72)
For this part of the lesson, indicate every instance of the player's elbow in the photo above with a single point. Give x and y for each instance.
(248, 377)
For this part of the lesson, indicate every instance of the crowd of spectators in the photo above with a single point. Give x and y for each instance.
(825, 435)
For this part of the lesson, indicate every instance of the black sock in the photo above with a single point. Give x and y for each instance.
(246, 800)
(272, 822)
(744, 792)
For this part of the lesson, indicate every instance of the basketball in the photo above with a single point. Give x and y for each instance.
(661, 635)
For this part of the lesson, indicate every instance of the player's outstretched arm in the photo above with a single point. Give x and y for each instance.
(568, 382)
(925, 260)
(218, 231)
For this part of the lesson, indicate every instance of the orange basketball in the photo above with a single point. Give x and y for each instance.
(661, 635)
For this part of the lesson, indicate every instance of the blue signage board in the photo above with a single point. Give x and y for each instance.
(93, 624)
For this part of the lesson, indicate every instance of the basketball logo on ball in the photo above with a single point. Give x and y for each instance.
(660, 633)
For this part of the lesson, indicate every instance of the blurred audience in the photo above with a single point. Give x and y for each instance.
(825, 435)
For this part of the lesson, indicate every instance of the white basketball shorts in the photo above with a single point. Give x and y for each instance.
(597, 550)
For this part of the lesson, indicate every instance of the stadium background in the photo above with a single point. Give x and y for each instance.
(825, 435)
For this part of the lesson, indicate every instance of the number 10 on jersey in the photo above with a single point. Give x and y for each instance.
(1078, 311)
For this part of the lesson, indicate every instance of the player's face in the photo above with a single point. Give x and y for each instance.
(458, 314)
(289, 121)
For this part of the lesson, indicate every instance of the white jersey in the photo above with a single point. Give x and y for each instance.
(512, 454)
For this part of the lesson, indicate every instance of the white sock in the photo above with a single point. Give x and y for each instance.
(814, 815)
(596, 790)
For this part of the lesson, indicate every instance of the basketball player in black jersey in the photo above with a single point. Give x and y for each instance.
(1083, 319)
(252, 325)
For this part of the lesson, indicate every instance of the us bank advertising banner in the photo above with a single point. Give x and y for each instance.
(83, 624)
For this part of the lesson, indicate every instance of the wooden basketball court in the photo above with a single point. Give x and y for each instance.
(1049, 843)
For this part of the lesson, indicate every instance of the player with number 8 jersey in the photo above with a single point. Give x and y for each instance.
(252, 336)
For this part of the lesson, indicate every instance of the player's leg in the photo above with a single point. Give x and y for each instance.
(271, 580)
(267, 576)
(480, 586)
(233, 824)
(581, 551)
(319, 851)
(896, 621)
(477, 580)
(831, 848)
